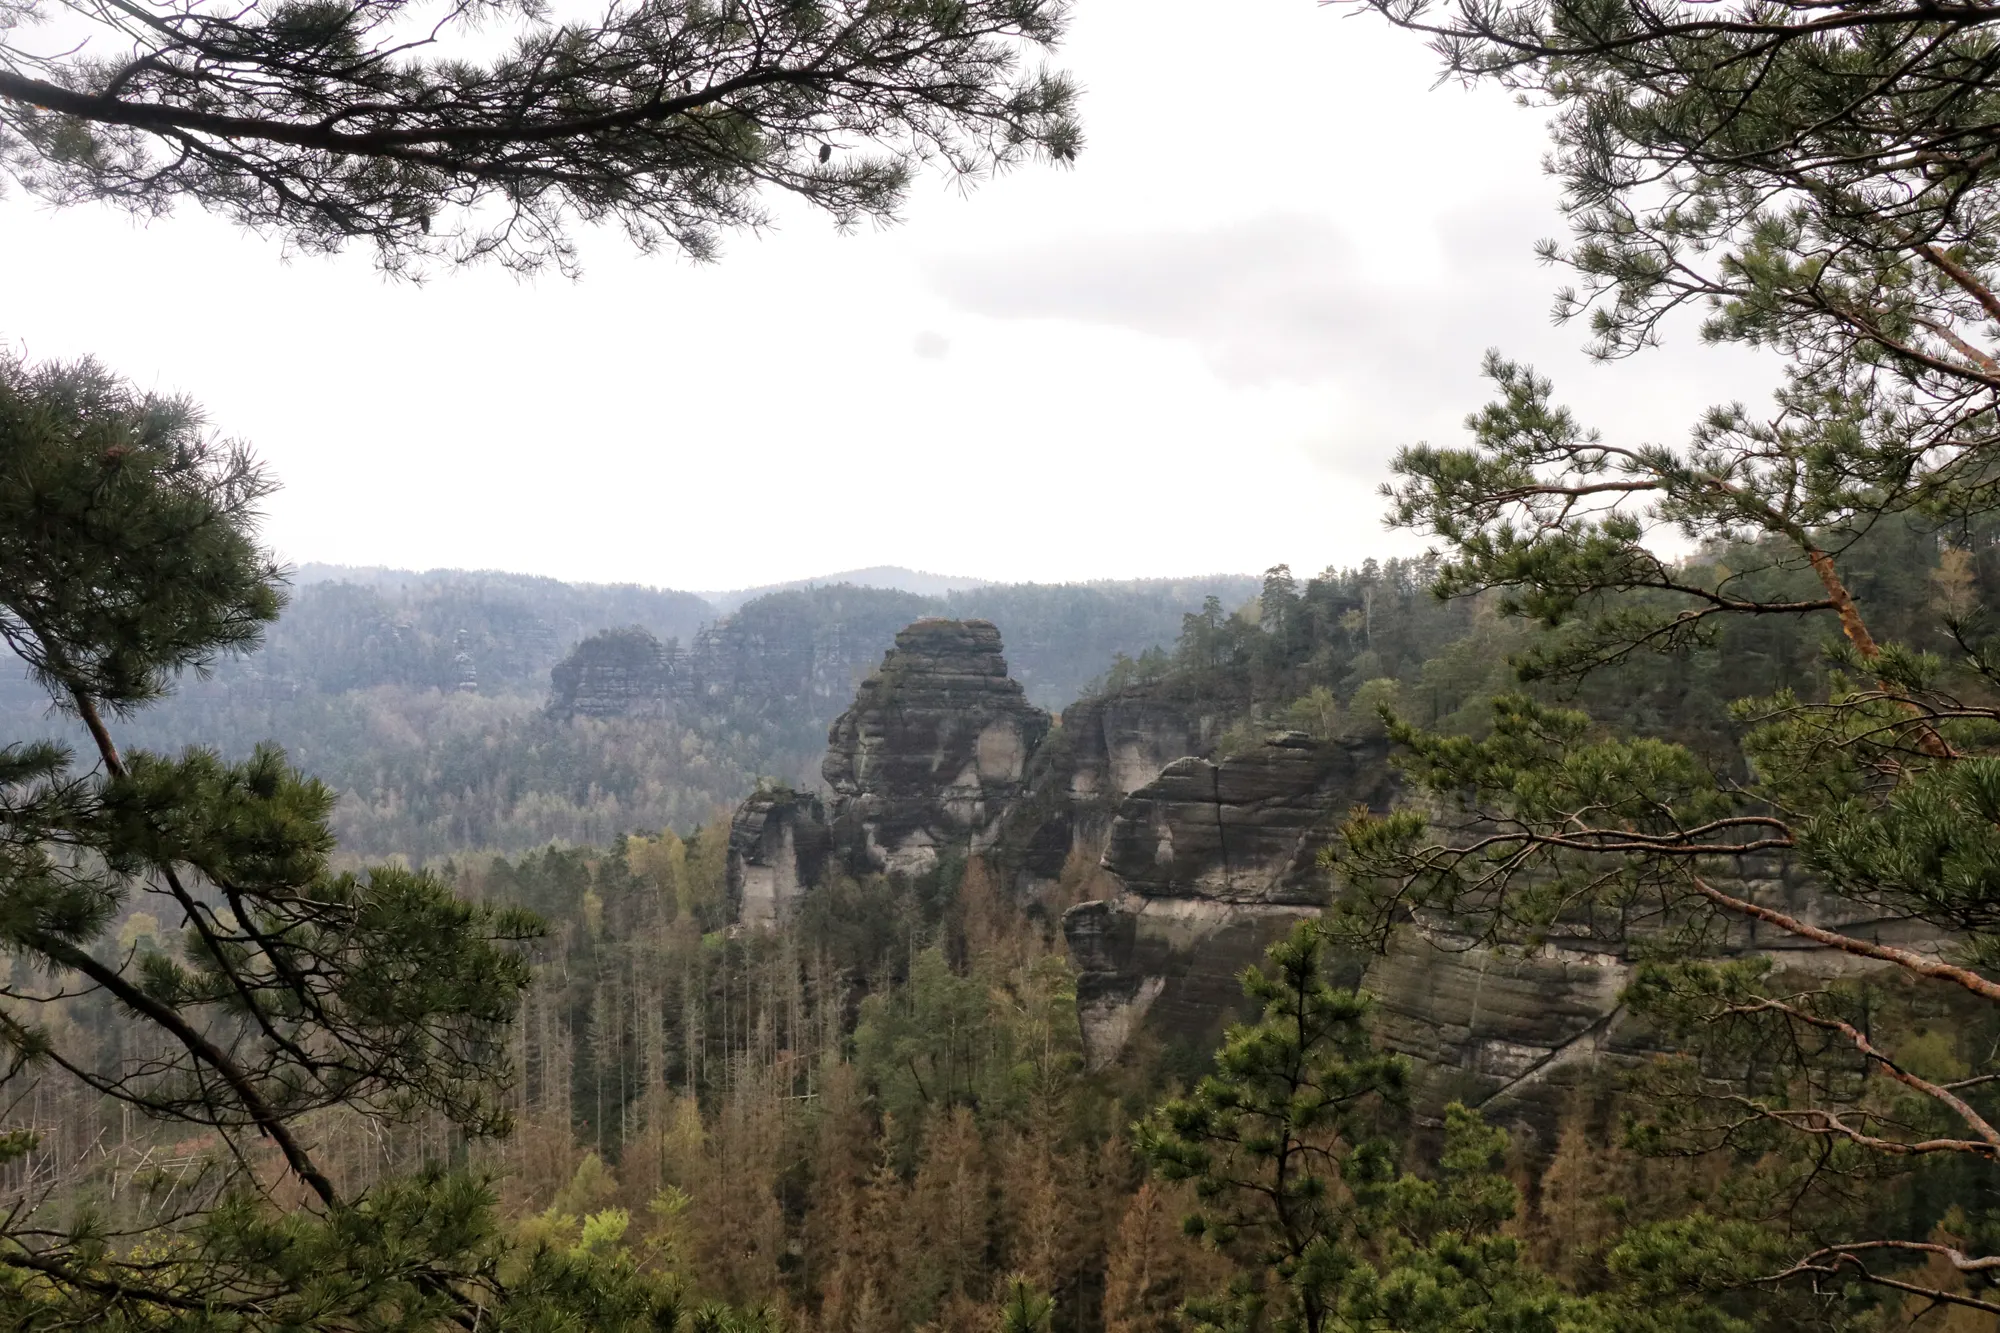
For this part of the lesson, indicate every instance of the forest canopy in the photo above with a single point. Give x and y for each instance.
(1705, 732)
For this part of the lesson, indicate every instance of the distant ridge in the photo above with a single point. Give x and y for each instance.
(891, 578)
(383, 576)
(896, 577)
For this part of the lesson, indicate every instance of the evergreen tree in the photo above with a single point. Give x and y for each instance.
(1274, 1139)
(180, 954)
(327, 123)
(1821, 178)
(1027, 1308)
(1290, 1149)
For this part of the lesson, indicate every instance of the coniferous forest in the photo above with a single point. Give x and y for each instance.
(1581, 916)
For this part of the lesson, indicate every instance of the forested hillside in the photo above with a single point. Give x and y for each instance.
(424, 699)
(1591, 926)
(878, 1114)
(874, 1114)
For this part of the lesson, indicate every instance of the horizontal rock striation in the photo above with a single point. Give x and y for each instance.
(1215, 860)
(1247, 829)
(1515, 1031)
(934, 751)
(614, 673)
(1120, 742)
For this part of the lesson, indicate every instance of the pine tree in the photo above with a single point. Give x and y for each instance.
(264, 1002)
(667, 118)
(1273, 1139)
(1291, 1160)
(1026, 1309)
(1725, 157)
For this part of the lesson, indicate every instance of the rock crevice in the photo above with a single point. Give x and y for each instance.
(934, 751)
(1214, 860)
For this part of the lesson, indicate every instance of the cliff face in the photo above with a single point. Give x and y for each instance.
(1514, 1031)
(1210, 860)
(1214, 860)
(614, 673)
(934, 751)
(1106, 748)
(1246, 830)
(1120, 742)
(778, 849)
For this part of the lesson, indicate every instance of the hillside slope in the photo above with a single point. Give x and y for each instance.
(424, 698)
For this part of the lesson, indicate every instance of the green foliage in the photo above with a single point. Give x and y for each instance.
(1717, 156)
(1026, 1309)
(125, 551)
(1291, 1146)
(294, 1002)
(1281, 1134)
(668, 121)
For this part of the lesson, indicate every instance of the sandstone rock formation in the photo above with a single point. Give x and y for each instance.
(1106, 748)
(1513, 1031)
(1121, 741)
(1212, 859)
(778, 849)
(1215, 861)
(933, 755)
(1246, 830)
(613, 673)
(934, 750)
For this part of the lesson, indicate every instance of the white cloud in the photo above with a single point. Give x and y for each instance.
(1279, 258)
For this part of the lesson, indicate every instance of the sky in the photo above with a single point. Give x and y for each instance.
(1279, 258)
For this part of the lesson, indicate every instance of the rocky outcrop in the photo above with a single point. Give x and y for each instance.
(933, 755)
(1515, 1031)
(778, 849)
(1246, 830)
(934, 751)
(1212, 859)
(1215, 861)
(614, 673)
(1107, 747)
(942, 750)
(1119, 742)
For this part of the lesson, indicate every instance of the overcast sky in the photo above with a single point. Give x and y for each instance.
(1278, 259)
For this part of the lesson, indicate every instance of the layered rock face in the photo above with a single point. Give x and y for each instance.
(1215, 861)
(1212, 860)
(1513, 1032)
(1246, 830)
(1121, 742)
(614, 673)
(1218, 860)
(778, 849)
(933, 755)
(1105, 749)
(934, 751)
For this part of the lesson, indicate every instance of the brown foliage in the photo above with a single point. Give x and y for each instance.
(1153, 1265)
